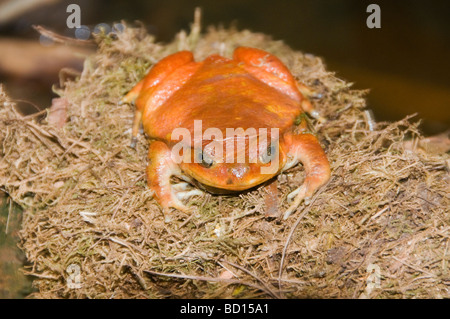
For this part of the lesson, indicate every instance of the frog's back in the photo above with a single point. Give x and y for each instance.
(223, 95)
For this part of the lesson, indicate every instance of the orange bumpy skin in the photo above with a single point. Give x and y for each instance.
(254, 90)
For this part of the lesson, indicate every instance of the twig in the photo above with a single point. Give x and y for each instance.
(87, 147)
(62, 39)
(254, 276)
(29, 273)
(195, 28)
(138, 277)
(9, 214)
(130, 246)
(305, 211)
(38, 109)
(213, 279)
(42, 112)
(415, 268)
(36, 130)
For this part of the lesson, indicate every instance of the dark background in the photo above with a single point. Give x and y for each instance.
(405, 64)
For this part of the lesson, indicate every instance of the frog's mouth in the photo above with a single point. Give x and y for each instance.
(215, 190)
(224, 189)
(225, 179)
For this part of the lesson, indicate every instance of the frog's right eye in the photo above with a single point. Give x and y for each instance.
(204, 159)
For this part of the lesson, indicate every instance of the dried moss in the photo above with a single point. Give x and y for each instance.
(86, 203)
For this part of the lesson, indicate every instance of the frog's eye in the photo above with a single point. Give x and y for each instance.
(269, 155)
(204, 159)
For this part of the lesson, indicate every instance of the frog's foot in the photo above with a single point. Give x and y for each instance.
(183, 192)
(159, 172)
(294, 194)
(174, 203)
(179, 192)
(130, 98)
(133, 94)
(306, 149)
(308, 92)
(309, 108)
(296, 197)
(169, 197)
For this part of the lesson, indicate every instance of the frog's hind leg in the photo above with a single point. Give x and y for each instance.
(156, 75)
(264, 61)
(269, 69)
(130, 97)
(306, 149)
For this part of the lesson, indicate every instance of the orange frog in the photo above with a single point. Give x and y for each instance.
(188, 108)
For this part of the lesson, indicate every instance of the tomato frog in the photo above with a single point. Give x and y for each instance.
(253, 91)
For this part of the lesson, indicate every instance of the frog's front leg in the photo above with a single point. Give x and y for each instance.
(160, 169)
(305, 148)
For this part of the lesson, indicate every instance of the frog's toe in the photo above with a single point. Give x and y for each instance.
(188, 194)
(176, 205)
(168, 207)
(289, 211)
(315, 114)
(308, 107)
(297, 196)
(182, 186)
(292, 194)
(182, 191)
(180, 206)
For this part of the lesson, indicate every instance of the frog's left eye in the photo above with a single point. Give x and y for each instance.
(269, 154)
(204, 159)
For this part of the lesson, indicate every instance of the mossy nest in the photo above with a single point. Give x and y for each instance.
(378, 229)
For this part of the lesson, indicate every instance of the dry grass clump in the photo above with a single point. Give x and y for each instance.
(382, 219)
